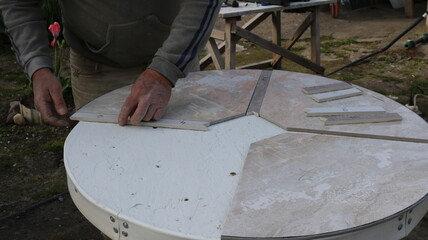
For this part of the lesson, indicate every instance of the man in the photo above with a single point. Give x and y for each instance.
(113, 43)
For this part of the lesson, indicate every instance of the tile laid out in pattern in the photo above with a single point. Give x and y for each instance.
(209, 96)
(216, 96)
(334, 95)
(326, 88)
(285, 106)
(295, 181)
(361, 118)
(332, 111)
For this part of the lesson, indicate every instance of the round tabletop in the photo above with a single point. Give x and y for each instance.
(263, 168)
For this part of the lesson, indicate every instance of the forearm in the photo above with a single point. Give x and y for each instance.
(189, 33)
(26, 27)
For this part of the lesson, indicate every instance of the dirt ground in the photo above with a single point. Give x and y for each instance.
(31, 165)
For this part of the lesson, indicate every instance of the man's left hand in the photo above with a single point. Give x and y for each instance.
(148, 99)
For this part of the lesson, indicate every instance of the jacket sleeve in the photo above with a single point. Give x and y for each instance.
(189, 34)
(26, 26)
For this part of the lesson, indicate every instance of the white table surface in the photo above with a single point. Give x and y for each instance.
(246, 177)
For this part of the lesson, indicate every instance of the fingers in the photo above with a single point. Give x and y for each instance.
(49, 114)
(140, 113)
(159, 113)
(125, 111)
(148, 99)
(58, 100)
(48, 98)
(154, 113)
(50, 118)
(149, 113)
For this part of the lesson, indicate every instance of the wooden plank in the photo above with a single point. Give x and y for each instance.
(230, 39)
(361, 118)
(250, 8)
(328, 96)
(326, 88)
(299, 32)
(259, 93)
(332, 111)
(315, 36)
(162, 123)
(278, 50)
(250, 25)
(247, 9)
(255, 21)
(217, 34)
(409, 9)
(276, 35)
(296, 36)
(215, 53)
(258, 65)
(207, 60)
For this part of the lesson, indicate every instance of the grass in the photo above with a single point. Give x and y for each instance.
(298, 49)
(325, 38)
(350, 49)
(350, 77)
(386, 78)
(418, 63)
(341, 54)
(419, 85)
(55, 145)
(342, 42)
(331, 45)
(49, 189)
(325, 50)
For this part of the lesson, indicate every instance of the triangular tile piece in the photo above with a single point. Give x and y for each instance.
(299, 184)
(209, 96)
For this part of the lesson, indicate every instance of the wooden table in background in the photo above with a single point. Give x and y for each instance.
(232, 33)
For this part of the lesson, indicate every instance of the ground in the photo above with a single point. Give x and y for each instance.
(31, 165)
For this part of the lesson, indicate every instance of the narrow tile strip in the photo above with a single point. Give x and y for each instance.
(259, 93)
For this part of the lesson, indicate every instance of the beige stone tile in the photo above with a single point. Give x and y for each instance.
(298, 184)
(109, 103)
(213, 95)
(284, 105)
(208, 96)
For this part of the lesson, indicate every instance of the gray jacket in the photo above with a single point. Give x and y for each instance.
(165, 35)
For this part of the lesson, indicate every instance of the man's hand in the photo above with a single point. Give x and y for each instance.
(48, 98)
(148, 98)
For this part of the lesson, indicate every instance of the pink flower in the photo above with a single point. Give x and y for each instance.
(53, 42)
(55, 28)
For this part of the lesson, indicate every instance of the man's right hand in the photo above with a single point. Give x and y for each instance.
(48, 98)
